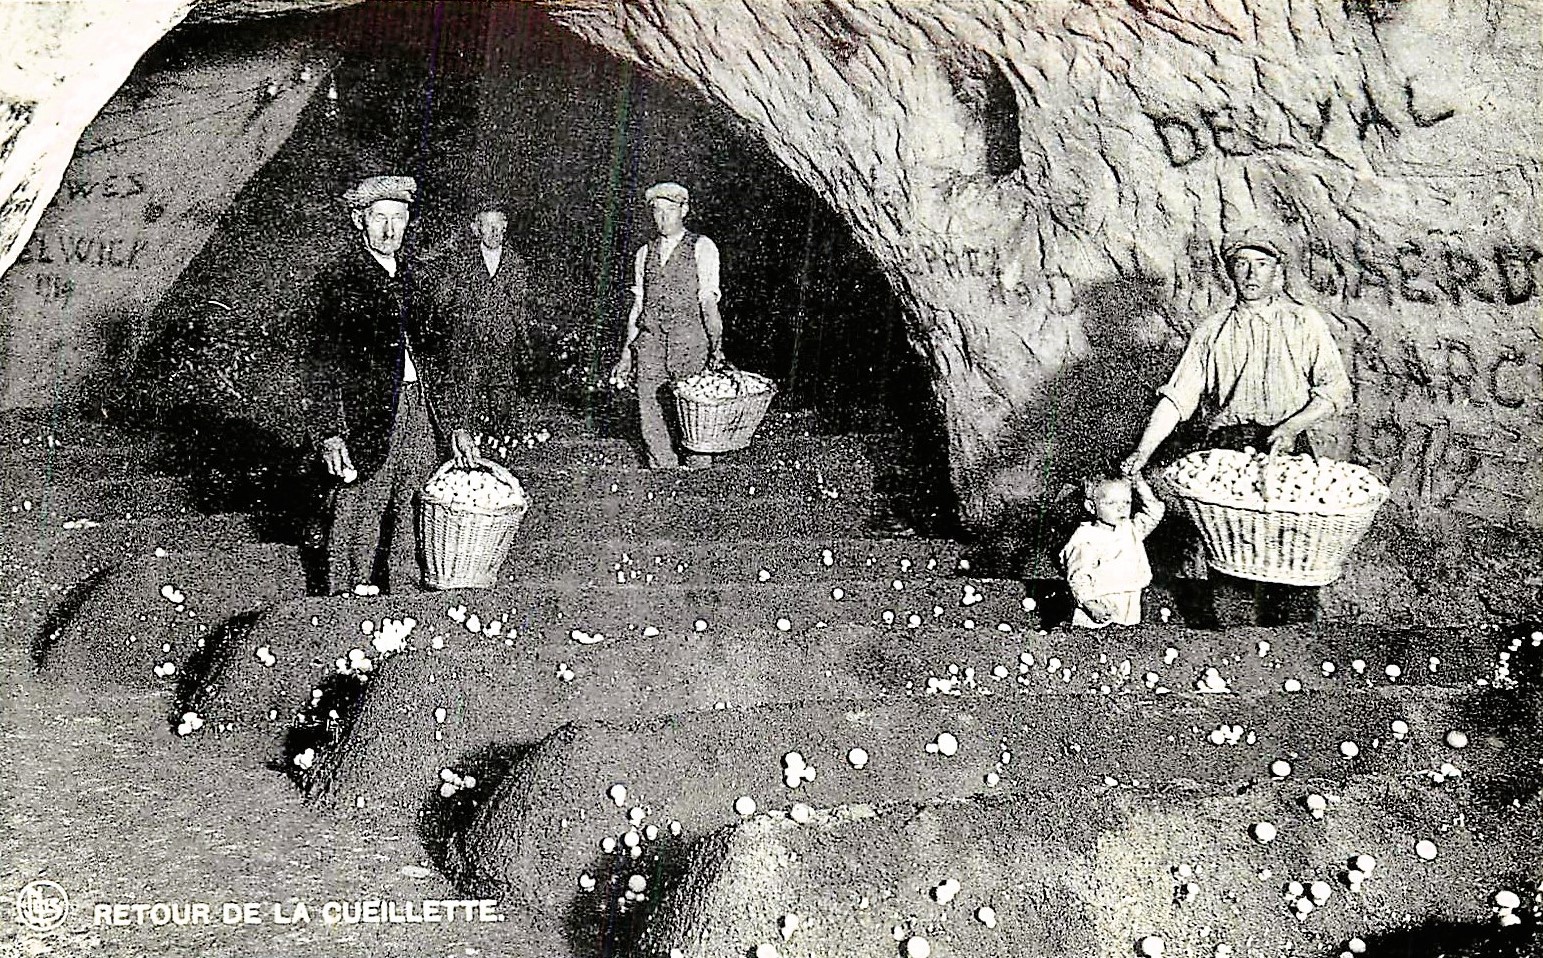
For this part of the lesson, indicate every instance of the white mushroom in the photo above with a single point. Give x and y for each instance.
(945, 891)
(786, 925)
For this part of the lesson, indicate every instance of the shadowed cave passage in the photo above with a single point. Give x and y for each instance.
(476, 99)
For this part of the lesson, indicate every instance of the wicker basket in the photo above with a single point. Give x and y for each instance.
(724, 425)
(1277, 542)
(464, 546)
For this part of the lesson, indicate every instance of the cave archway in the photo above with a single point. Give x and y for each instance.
(1393, 145)
(475, 99)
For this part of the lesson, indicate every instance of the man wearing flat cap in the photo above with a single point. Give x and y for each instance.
(487, 288)
(674, 329)
(1260, 372)
(386, 392)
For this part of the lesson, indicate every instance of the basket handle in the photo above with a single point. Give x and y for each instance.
(486, 465)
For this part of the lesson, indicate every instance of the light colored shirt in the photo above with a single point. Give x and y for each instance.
(1258, 363)
(491, 257)
(387, 263)
(409, 371)
(1110, 563)
(707, 269)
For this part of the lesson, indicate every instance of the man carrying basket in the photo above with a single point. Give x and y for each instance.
(386, 383)
(674, 330)
(1263, 370)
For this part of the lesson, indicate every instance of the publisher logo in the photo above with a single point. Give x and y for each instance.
(42, 905)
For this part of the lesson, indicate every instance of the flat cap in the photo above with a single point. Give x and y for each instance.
(1254, 237)
(487, 202)
(373, 188)
(667, 191)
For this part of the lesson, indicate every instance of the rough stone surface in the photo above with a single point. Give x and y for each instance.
(144, 190)
(63, 62)
(1046, 185)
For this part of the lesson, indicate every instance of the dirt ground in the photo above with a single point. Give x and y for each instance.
(105, 800)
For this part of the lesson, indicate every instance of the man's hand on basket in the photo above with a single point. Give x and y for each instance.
(1283, 438)
(334, 456)
(715, 357)
(463, 449)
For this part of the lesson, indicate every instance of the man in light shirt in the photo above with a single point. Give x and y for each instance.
(1260, 372)
(487, 286)
(385, 387)
(674, 329)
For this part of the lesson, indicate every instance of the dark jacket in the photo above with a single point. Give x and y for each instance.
(359, 316)
(492, 312)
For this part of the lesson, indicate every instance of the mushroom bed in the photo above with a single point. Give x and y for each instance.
(786, 736)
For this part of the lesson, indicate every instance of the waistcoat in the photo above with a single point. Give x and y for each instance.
(670, 289)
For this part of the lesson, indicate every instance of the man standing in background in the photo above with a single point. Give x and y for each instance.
(674, 329)
(386, 390)
(488, 289)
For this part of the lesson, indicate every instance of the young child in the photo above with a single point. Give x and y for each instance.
(1105, 560)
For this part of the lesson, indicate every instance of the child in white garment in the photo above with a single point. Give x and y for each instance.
(1105, 560)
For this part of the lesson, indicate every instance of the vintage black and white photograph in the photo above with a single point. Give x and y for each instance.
(771, 478)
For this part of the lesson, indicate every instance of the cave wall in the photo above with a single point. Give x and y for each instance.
(59, 63)
(1046, 185)
(147, 185)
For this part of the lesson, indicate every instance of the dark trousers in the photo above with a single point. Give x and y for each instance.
(1244, 602)
(373, 539)
(497, 406)
(659, 356)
